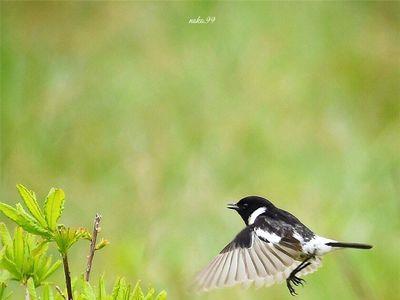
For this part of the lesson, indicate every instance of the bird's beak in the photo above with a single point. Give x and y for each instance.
(233, 206)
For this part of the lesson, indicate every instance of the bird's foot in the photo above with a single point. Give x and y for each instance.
(296, 281)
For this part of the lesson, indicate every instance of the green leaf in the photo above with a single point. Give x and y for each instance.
(88, 291)
(2, 253)
(52, 269)
(30, 201)
(3, 295)
(82, 233)
(53, 207)
(127, 292)
(9, 211)
(2, 289)
(29, 244)
(39, 266)
(149, 294)
(19, 248)
(47, 292)
(10, 266)
(116, 288)
(6, 239)
(31, 289)
(102, 294)
(30, 224)
(137, 293)
(78, 284)
(162, 295)
(40, 249)
(19, 216)
(66, 237)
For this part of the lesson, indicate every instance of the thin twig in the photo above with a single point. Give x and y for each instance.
(67, 276)
(96, 229)
(60, 292)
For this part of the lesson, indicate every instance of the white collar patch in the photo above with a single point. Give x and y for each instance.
(255, 214)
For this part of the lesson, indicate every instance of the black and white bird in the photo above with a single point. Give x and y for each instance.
(273, 247)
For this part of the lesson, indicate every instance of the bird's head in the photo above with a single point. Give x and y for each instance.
(250, 207)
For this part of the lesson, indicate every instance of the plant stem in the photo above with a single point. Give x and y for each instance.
(67, 276)
(92, 249)
(27, 297)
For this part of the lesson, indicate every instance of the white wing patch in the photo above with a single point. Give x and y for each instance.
(263, 264)
(298, 237)
(269, 236)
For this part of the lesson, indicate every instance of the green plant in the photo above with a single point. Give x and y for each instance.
(24, 257)
(3, 294)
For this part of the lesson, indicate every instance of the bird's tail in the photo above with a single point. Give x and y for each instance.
(349, 245)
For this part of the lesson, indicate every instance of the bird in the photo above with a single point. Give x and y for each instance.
(273, 246)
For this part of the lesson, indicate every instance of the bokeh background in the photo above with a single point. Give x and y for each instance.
(157, 124)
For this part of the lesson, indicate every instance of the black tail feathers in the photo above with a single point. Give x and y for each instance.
(349, 245)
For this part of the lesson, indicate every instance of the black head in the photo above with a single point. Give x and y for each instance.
(248, 205)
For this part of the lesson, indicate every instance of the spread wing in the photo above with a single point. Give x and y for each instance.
(250, 259)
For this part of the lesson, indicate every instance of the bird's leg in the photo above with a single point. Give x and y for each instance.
(296, 280)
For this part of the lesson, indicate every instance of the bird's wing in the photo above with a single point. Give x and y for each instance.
(247, 260)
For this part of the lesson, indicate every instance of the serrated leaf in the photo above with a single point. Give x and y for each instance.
(30, 224)
(9, 211)
(162, 295)
(53, 207)
(26, 221)
(19, 249)
(22, 218)
(31, 289)
(30, 201)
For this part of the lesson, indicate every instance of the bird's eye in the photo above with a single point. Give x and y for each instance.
(245, 205)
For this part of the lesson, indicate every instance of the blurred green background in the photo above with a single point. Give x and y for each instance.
(157, 124)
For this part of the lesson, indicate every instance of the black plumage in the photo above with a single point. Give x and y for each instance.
(274, 246)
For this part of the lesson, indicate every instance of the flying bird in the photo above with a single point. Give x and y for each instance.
(273, 247)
